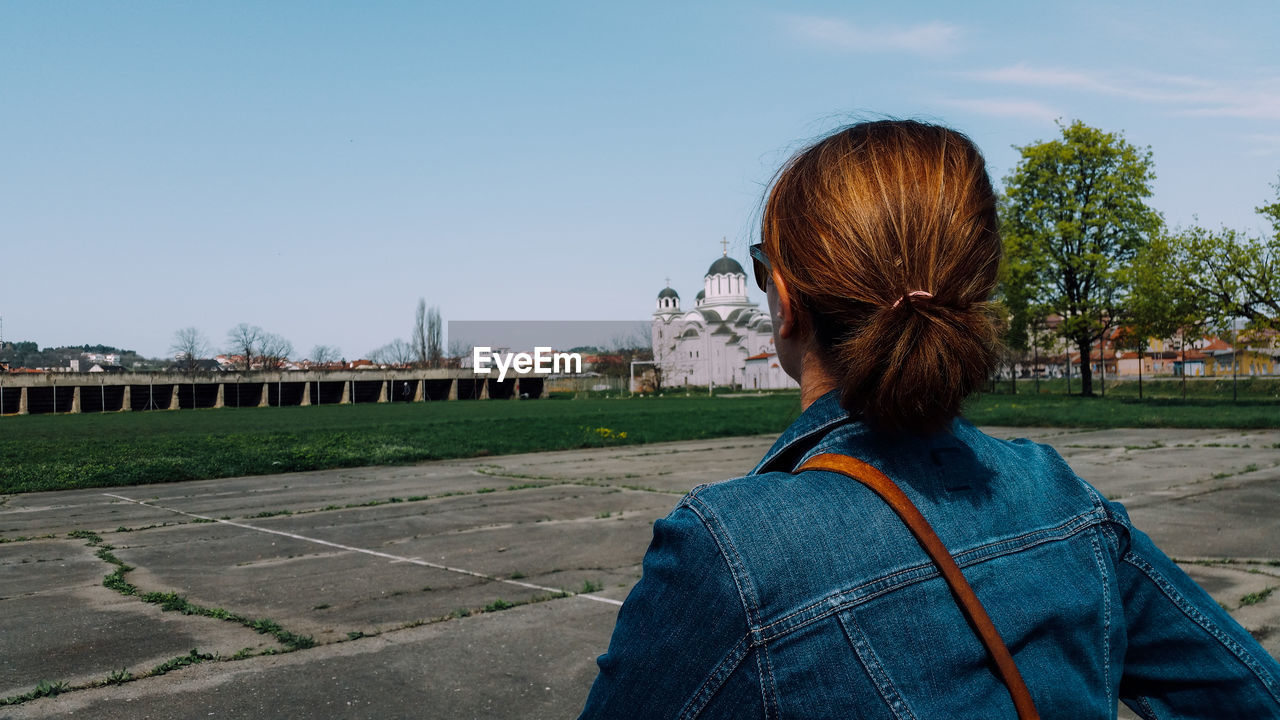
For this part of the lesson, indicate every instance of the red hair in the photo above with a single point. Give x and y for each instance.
(886, 234)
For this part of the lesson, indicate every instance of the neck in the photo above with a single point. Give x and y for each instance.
(815, 380)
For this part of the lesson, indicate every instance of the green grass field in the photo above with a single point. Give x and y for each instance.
(42, 452)
(1209, 404)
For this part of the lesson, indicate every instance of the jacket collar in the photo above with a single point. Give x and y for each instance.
(802, 435)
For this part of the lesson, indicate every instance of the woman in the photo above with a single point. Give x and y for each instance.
(804, 594)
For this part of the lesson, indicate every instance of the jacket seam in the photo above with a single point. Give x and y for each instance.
(697, 703)
(746, 592)
(1145, 709)
(1106, 614)
(737, 569)
(769, 687)
(716, 679)
(1205, 623)
(879, 677)
(916, 573)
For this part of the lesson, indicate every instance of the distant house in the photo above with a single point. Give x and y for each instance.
(1190, 363)
(764, 372)
(211, 365)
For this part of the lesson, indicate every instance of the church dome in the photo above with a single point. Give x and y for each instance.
(726, 266)
(668, 293)
(702, 295)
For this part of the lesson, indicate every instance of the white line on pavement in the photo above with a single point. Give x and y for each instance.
(375, 553)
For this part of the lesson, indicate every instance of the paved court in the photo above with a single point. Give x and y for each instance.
(403, 576)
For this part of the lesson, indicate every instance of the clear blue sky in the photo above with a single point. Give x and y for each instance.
(315, 168)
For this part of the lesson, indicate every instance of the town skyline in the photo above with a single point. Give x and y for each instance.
(314, 171)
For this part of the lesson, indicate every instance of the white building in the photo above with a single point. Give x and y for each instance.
(725, 339)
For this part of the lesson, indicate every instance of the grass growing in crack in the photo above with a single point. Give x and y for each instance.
(173, 602)
(44, 688)
(270, 513)
(192, 658)
(499, 605)
(118, 677)
(24, 538)
(293, 641)
(1254, 598)
(590, 587)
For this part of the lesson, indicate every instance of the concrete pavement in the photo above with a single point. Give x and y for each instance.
(391, 570)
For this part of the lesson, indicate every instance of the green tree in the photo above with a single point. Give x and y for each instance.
(1022, 313)
(1161, 303)
(1238, 275)
(1075, 219)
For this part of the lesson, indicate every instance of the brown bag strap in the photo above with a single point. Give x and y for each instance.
(928, 539)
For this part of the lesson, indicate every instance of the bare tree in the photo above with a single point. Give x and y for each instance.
(420, 333)
(434, 350)
(396, 352)
(325, 354)
(189, 347)
(457, 351)
(274, 351)
(243, 339)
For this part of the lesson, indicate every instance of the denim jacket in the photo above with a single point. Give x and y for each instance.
(776, 595)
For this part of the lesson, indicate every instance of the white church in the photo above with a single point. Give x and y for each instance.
(724, 340)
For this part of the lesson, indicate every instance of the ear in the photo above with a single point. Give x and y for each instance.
(788, 317)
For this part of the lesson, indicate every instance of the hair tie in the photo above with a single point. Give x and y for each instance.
(913, 293)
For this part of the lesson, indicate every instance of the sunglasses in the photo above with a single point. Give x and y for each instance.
(760, 266)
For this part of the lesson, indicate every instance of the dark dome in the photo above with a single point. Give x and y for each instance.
(702, 295)
(726, 266)
(668, 293)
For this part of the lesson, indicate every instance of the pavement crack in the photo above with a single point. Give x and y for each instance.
(173, 602)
